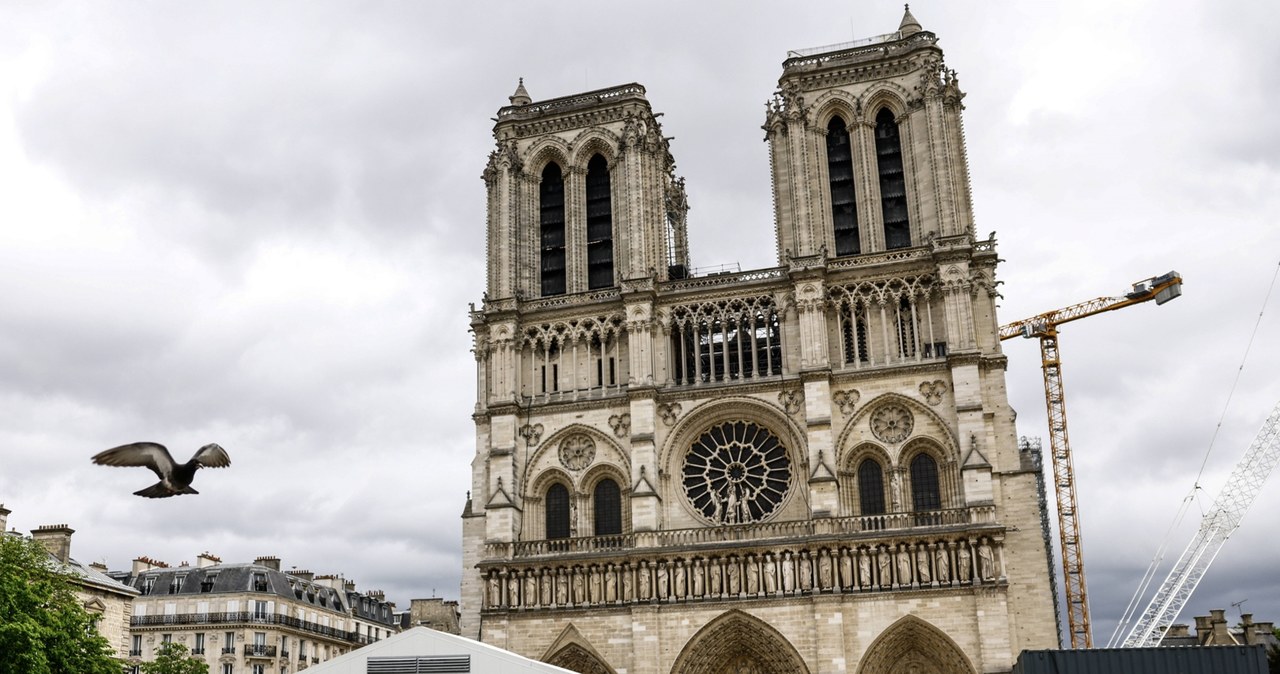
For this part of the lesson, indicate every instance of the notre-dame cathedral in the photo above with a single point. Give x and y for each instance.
(806, 468)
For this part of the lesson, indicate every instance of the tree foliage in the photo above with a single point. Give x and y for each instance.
(44, 629)
(172, 658)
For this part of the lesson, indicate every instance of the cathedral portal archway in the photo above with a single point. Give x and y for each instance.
(738, 643)
(913, 646)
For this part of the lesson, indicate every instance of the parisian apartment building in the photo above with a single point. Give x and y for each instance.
(250, 618)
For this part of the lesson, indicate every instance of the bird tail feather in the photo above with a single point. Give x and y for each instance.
(157, 490)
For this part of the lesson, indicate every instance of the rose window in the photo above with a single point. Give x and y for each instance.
(892, 423)
(736, 472)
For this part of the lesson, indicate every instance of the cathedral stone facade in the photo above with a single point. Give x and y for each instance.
(807, 468)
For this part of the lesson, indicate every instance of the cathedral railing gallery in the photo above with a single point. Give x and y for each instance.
(931, 550)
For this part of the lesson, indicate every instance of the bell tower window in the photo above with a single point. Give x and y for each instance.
(893, 184)
(925, 494)
(870, 488)
(607, 504)
(844, 214)
(551, 221)
(599, 225)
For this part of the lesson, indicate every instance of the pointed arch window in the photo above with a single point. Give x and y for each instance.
(870, 488)
(925, 494)
(557, 511)
(551, 230)
(599, 225)
(844, 213)
(893, 184)
(607, 507)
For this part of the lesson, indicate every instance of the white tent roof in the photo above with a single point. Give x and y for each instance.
(422, 641)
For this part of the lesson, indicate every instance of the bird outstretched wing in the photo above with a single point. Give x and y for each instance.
(212, 456)
(150, 454)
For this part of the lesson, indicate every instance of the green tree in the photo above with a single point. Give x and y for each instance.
(44, 629)
(172, 658)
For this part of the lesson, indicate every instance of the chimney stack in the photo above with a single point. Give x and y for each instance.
(1178, 630)
(272, 563)
(1220, 635)
(56, 538)
(205, 559)
(302, 573)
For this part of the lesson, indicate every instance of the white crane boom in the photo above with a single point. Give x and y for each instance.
(1216, 527)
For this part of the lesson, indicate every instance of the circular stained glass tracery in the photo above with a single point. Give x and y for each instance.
(736, 472)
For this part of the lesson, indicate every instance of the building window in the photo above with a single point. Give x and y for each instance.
(607, 506)
(175, 585)
(893, 183)
(599, 225)
(197, 648)
(259, 669)
(557, 511)
(737, 339)
(148, 584)
(259, 610)
(259, 582)
(844, 213)
(853, 333)
(870, 488)
(228, 668)
(924, 484)
(229, 642)
(551, 219)
(206, 585)
(908, 335)
(135, 650)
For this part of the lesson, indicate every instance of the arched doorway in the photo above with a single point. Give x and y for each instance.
(572, 651)
(913, 646)
(738, 643)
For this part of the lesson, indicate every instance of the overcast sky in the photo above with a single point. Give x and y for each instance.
(260, 224)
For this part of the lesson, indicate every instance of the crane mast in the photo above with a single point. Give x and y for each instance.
(1216, 527)
(1045, 327)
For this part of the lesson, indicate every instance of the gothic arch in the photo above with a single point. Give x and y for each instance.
(591, 142)
(607, 451)
(572, 651)
(737, 641)
(543, 152)
(883, 95)
(914, 646)
(833, 102)
(928, 424)
(848, 480)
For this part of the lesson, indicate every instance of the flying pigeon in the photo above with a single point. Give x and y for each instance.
(175, 479)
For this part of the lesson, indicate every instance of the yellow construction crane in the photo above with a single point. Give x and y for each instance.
(1045, 327)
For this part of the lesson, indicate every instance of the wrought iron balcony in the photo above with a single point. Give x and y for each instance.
(259, 651)
(135, 652)
(241, 617)
(228, 650)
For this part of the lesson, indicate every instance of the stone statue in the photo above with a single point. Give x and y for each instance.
(610, 584)
(882, 561)
(530, 588)
(513, 591)
(922, 565)
(788, 573)
(895, 491)
(940, 564)
(824, 571)
(545, 581)
(963, 563)
(662, 580)
(594, 585)
(579, 587)
(562, 588)
(696, 571)
(733, 573)
(846, 570)
(495, 592)
(642, 582)
(904, 567)
(864, 569)
(770, 575)
(986, 561)
(680, 589)
(626, 584)
(753, 575)
(806, 572)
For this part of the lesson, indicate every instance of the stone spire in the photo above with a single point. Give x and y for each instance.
(909, 25)
(521, 96)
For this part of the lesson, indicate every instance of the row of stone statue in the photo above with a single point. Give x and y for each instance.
(884, 567)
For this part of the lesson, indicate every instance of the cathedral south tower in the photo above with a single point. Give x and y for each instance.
(806, 468)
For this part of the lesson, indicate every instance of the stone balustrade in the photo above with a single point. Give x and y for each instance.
(863, 527)
(831, 567)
